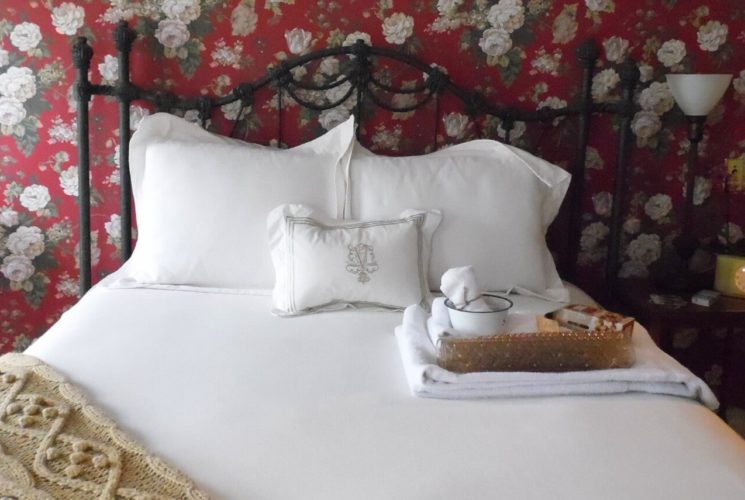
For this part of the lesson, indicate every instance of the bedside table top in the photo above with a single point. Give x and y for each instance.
(726, 311)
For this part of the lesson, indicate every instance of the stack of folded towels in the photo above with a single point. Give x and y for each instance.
(654, 371)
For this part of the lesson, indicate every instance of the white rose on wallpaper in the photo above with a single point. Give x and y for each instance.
(172, 33)
(12, 111)
(386, 139)
(657, 98)
(739, 83)
(18, 82)
(455, 124)
(61, 132)
(35, 197)
(735, 233)
(113, 227)
(402, 101)
(701, 190)
(646, 73)
(593, 160)
(658, 206)
(546, 63)
(615, 48)
(633, 269)
(445, 7)
(330, 118)
(298, 40)
(603, 83)
(329, 66)
(8, 217)
(352, 38)
(600, 5)
(553, 102)
(136, 114)
(183, 10)
(25, 36)
(602, 203)
(68, 180)
(232, 109)
(397, 28)
(645, 125)
(565, 25)
(646, 248)
(336, 94)
(632, 225)
(68, 18)
(495, 42)
(518, 130)
(26, 240)
(507, 14)
(109, 68)
(17, 268)
(712, 35)
(592, 235)
(243, 20)
(671, 52)
(4, 58)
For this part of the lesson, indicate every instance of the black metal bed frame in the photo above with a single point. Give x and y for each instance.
(362, 83)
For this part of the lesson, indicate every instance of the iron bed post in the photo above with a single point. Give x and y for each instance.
(125, 93)
(81, 56)
(629, 79)
(587, 55)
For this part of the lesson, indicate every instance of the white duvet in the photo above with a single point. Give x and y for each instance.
(252, 406)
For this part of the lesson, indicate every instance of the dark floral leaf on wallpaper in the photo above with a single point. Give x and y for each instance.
(514, 67)
(27, 135)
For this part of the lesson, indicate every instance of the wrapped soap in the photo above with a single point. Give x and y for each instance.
(592, 318)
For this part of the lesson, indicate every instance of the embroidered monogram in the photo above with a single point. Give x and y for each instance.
(361, 261)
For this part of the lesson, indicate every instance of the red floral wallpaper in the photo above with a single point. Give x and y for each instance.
(517, 51)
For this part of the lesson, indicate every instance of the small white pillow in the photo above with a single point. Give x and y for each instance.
(497, 202)
(202, 203)
(325, 265)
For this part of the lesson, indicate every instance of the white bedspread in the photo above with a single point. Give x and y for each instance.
(318, 407)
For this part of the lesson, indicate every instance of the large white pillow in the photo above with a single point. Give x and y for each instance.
(323, 264)
(202, 202)
(497, 202)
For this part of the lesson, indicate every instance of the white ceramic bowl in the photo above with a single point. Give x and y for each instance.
(479, 323)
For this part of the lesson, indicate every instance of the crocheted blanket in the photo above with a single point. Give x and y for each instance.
(55, 445)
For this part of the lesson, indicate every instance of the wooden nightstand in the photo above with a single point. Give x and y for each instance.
(662, 321)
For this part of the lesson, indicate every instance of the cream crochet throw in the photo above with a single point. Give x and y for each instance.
(55, 445)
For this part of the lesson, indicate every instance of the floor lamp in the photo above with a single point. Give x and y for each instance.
(696, 95)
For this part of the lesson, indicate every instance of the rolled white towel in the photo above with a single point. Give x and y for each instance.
(460, 286)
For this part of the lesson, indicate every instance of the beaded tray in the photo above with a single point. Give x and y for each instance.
(548, 351)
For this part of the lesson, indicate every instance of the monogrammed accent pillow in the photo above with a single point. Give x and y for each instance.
(323, 264)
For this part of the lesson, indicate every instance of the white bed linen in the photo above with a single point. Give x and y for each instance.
(253, 406)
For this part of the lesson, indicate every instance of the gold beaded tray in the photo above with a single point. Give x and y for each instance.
(548, 351)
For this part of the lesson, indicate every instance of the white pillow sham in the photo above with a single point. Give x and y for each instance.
(497, 202)
(202, 201)
(322, 264)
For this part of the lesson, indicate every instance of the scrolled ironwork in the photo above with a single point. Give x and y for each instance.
(359, 73)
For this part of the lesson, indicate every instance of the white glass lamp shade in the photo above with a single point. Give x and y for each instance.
(697, 94)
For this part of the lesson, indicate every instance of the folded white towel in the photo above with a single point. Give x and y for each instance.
(460, 286)
(654, 372)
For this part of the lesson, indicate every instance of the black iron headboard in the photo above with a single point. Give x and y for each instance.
(361, 78)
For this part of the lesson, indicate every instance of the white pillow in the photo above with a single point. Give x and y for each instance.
(331, 264)
(202, 203)
(497, 202)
